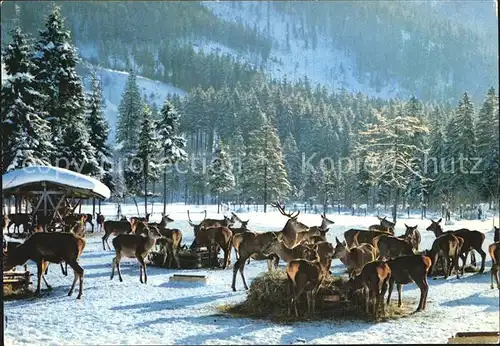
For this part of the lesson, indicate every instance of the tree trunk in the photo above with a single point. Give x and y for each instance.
(146, 194)
(136, 205)
(395, 210)
(265, 189)
(218, 203)
(153, 197)
(165, 191)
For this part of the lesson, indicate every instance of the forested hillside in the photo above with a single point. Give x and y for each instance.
(290, 137)
(381, 48)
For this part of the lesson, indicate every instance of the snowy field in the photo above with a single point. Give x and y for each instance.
(160, 312)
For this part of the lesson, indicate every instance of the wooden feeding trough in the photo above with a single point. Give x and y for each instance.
(189, 259)
(188, 278)
(475, 338)
(14, 281)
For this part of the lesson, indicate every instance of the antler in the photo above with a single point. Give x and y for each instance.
(190, 222)
(282, 211)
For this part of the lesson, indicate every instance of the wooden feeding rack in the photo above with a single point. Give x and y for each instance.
(16, 280)
(189, 259)
(475, 338)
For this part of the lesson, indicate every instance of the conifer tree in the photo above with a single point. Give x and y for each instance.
(55, 60)
(220, 176)
(265, 176)
(25, 132)
(293, 163)
(99, 130)
(170, 143)
(129, 114)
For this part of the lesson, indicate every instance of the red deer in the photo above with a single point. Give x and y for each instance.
(253, 243)
(218, 237)
(19, 219)
(391, 247)
(43, 248)
(100, 222)
(170, 244)
(115, 228)
(70, 220)
(408, 269)
(78, 229)
(385, 225)
(143, 219)
(205, 223)
(473, 240)
(494, 250)
(300, 251)
(304, 275)
(363, 236)
(374, 279)
(323, 228)
(448, 246)
(412, 235)
(134, 246)
(356, 257)
(236, 234)
(315, 239)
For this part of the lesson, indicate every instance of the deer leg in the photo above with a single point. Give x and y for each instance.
(483, 258)
(117, 260)
(113, 263)
(385, 285)
(472, 258)
(39, 265)
(496, 276)
(104, 238)
(424, 289)
(78, 270)
(143, 267)
(45, 265)
(391, 287)
(400, 294)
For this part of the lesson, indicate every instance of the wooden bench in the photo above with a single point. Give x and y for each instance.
(475, 338)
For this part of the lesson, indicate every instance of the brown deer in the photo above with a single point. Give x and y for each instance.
(412, 235)
(78, 229)
(218, 237)
(134, 246)
(304, 275)
(20, 219)
(356, 257)
(391, 247)
(100, 222)
(205, 223)
(406, 270)
(43, 248)
(237, 231)
(496, 235)
(385, 225)
(115, 228)
(494, 250)
(300, 251)
(170, 245)
(374, 280)
(252, 244)
(363, 236)
(448, 246)
(143, 219)
(165, 220)
(323, 228)
(473, 240)
(315, 239)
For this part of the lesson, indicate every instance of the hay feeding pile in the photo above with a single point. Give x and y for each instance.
(269, 298)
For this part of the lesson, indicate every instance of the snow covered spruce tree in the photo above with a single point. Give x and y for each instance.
(99, 131)
(170, 143)
(293, 163)
(25, 132)
(220, 176)
(389, 145)
(462, 151)
(236, 149)
(143, 165)
(55, 59)
(129, 113)
(264, 171)
(488, 147)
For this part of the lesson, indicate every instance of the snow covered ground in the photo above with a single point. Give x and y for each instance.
(161, 312)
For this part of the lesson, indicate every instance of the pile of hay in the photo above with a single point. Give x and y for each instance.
(269, 298)
(12, 293)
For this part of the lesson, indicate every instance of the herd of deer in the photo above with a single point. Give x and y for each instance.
(375, 259)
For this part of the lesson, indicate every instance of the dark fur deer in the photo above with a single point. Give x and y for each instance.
(171, 244)
(43, 248)
(494, 250)
(363, 236)
(385, 225)
(496, 234)
(473, 240)
(448, 246)
(408, 269)
(218, 237)
(134, 246)
(115, 228)
(100, 222)
(304, 275)
(18, 219)
(412, 235)
(374, 280)
(356, 257)
(286, 254)
(323, 228)
(252, 244)
(391, 247)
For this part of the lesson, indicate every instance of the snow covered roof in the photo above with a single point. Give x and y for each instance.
(78, 184)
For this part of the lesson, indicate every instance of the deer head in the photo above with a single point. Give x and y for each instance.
(196, 227)
(386, 223)
(435, 227)
(166, 219)
(325, 222)
(340, 250)
(410, 229)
